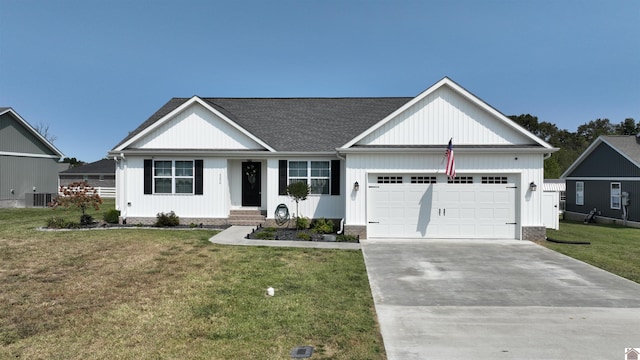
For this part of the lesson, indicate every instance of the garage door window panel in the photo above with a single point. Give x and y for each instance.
(423, 179)
(389, 179)
(461, 180)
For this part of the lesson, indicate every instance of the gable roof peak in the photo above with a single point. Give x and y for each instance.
(446, 81)
(31, 129)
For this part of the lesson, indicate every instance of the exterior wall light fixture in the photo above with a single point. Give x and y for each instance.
(356, 186)
(533, 186)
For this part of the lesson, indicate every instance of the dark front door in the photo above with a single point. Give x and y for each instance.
(251, 184)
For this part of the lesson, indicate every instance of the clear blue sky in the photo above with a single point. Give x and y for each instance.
(94, 70)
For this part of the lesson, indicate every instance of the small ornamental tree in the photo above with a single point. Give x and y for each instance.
(78, 196)
(298, 191)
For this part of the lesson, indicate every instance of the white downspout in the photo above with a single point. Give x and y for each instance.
(121, 186)
(341, 231)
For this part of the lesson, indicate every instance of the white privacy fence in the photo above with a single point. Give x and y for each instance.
(107, 192)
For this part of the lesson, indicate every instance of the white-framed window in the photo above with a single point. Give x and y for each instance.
(317, 174)
(615, 195)
(173, 177)
(579, 193)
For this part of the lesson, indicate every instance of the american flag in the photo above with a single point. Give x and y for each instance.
(450, 170)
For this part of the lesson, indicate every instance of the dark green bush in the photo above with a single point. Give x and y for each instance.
(322, 226)
(55, 222)
(112, 216)
(60, 223)
(347, 238)
(167, 220)
(302, 223)
(265, 234)
(303, 236)
(86, 219)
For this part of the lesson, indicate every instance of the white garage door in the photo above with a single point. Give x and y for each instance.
(430, 206)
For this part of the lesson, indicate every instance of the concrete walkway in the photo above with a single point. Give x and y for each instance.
(235, 235)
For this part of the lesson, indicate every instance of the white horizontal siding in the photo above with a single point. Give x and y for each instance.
(525, 167)
(196, 128)
(442, 115)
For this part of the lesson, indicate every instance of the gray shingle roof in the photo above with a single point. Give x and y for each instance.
(628, 145)
(296, 124)
(104, 166)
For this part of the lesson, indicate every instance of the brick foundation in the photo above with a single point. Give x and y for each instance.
(356, 230)
(534, 233)
(183, 221)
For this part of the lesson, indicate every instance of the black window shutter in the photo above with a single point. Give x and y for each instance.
(198, 179)
(282, 178)
(335, 177)
(148, 176)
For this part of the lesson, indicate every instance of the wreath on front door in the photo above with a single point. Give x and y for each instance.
(251, 172)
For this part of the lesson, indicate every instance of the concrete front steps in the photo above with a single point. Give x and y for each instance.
(246, 217)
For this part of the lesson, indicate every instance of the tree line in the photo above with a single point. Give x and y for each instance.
(571, 144)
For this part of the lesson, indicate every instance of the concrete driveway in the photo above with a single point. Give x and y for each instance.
(496, 299)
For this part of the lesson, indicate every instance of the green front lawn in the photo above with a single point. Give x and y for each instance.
(613, 248)
(141, 293)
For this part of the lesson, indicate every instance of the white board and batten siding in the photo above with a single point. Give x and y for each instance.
(439, 116)
(316, 206)
(520, 169)
(204, 130)
(431, 121)
(130, 186)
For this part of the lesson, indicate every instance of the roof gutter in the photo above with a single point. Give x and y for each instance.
(437, 150)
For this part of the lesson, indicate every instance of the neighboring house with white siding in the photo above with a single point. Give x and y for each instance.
(376, 163)
(101, 173)
(28, 163)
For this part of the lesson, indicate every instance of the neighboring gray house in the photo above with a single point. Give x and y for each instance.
(28, 163)
(606, 177)
(101, 173)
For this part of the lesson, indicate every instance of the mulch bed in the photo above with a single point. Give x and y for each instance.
(287, 234)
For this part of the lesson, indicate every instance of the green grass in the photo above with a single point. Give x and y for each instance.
(613, 248)
(141, 293)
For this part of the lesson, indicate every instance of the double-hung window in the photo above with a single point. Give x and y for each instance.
(615, 195)
(316, 174)
(320, 174)
(173, 177)
(579, 193)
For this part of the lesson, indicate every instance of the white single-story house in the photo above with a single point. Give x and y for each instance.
(376, 163)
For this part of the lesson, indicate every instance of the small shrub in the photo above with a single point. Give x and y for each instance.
(303, 236)
(167, 220)
(86, 219)
(56, 223)
(302, 223)
(193, 225)
(322, 226)
(73, 225)
(265, 235)
(346, 238)
(112, 216)
(80, 196)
